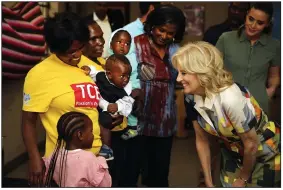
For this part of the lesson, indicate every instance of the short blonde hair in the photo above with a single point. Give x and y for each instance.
(206, 61)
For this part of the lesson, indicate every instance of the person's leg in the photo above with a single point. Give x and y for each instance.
(105, 121)
(116, 167)
(133, 155)
(144, 167)
(105, 136)
(149, 161)
(159, 161)
(105, 150)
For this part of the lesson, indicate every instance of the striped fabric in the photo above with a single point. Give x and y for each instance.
(23, 44)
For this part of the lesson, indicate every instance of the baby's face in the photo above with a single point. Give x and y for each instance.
(121, 44)
(120, 74)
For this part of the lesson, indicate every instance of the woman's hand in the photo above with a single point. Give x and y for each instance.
(239, 183)
(118, 119)
(36, 166)
(36, 172)
(136, 93)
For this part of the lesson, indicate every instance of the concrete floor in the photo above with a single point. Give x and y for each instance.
(184, 167)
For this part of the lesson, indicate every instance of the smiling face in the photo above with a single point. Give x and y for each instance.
(119, 74)
(121, 43)
(73, 55)
(164, 34)
(256, 21)
(190, 82)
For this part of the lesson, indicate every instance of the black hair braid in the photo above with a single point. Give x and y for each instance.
(52, 164)
(63, 162)
(66, 126)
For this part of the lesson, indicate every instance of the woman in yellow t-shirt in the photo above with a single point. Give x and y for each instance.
(57, 85)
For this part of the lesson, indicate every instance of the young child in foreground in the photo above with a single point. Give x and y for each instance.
(71, 165)
(115, 91)
(115, 88)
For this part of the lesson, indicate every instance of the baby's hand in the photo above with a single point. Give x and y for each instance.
(86, 69)
(112, 108)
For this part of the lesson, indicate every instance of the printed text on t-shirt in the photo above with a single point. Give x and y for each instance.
(86, 95)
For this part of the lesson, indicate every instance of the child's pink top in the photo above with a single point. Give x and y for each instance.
(83, 169)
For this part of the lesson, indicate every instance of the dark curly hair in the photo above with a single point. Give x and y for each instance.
(64, 28)
(166, 14)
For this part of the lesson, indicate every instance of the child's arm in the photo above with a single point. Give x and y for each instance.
(98, 173)
(103, 104)
(128, 88)
(91, 70)
(125, 105)
(106, 106)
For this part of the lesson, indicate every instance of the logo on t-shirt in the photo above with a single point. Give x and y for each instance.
(86, 95)
(26, 98)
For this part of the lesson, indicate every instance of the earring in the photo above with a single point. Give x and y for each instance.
(173, 40)
(151, 30)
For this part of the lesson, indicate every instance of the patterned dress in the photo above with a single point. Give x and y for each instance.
(229, 113)
(158, 78)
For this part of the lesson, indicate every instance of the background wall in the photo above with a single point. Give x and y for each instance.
(215, 13)
(12, 90)
(12, 101)
(276, 31)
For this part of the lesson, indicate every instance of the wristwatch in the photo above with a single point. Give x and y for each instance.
(244, 180)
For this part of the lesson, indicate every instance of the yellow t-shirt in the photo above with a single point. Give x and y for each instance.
(53, 88)
(102, 61)
(125, 121)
